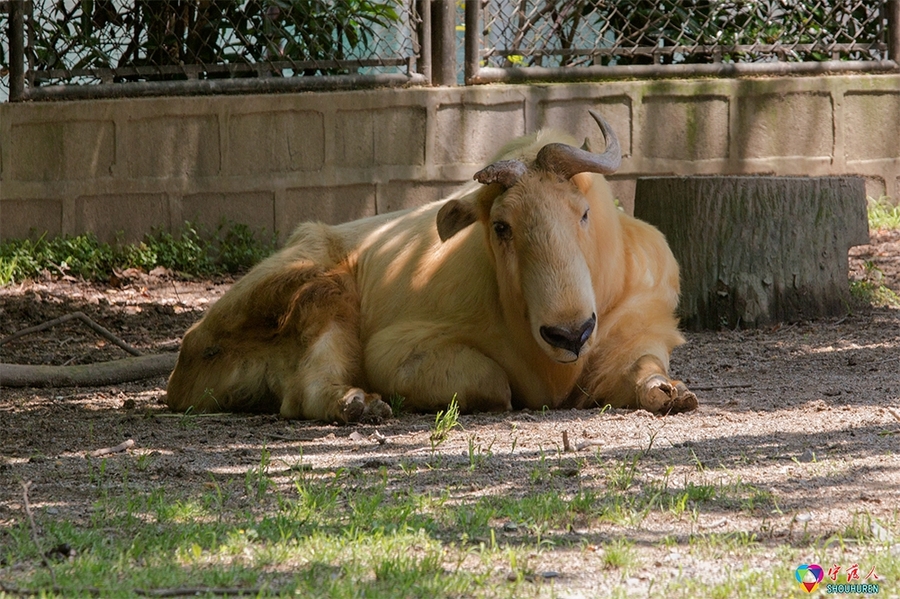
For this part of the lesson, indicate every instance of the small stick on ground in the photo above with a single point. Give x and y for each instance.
(175, 288)
(894, 413)
(108, 450)
(34, 531)
(588, 443)
(714, 387)
(567, 447)
(103, 332)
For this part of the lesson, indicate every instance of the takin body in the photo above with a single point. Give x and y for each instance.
(529, 290)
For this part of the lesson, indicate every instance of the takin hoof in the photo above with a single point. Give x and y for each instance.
(376, 410)
(662, 395)
(359, 406)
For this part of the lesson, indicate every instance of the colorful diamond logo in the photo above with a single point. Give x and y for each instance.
(809, 576)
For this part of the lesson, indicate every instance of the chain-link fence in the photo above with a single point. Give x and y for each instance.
(65, 48)
(539, 35)
(224, 43)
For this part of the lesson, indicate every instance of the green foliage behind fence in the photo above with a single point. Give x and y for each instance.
(231, 248)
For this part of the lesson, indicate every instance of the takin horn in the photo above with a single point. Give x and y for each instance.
(565, 160)
(504, 172)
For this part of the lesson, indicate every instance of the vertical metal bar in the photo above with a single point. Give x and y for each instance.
(893, 32)
(16, 50)
(29, 47)
(444, 14)
(424, 30)
(473, 40)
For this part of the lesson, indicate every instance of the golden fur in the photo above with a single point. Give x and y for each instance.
(432, 303)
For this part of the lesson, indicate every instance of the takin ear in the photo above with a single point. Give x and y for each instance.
(454, 216)
(583, 181)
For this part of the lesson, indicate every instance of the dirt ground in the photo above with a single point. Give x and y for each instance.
(809, 411)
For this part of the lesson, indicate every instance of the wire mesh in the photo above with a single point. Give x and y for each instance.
(566, 33)
(109, 41)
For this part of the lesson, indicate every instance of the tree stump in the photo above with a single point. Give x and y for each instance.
(757, 250)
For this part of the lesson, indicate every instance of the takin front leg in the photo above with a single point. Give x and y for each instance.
(655, 391)
(318, 388)
(421, 363)
(629, 367)
(645, 385)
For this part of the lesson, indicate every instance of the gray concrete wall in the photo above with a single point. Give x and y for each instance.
(274, 160)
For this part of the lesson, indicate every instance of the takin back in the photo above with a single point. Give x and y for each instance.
(528, 289)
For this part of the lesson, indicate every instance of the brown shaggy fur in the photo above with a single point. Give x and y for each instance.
(289, 344)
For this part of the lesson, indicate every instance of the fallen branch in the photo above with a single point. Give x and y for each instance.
(103, 332)
(108, 450)
(87, 375)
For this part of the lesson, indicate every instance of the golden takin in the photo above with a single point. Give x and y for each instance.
(529, 290)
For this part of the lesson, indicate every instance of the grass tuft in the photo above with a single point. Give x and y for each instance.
(619, 554)
(444, 422)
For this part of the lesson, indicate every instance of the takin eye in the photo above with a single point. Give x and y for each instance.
(584, 217)
(502, 230)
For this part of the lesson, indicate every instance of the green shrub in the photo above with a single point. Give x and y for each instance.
(193, 252)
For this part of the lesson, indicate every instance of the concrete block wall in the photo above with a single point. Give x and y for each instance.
(271, 161)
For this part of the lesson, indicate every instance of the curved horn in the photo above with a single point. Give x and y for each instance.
(566, 160)
(504, 172)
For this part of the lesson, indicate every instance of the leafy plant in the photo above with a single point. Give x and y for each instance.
(8, 269)
(883, 214)
(231, 248)
(871, 289)
(309, 30)
(681, 31)
(150, 36)
(188, 253)
(396, 402)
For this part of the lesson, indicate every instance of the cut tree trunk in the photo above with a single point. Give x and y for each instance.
(757, 250)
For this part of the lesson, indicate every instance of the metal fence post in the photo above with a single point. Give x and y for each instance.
(444, 46)
(893, 32)
(16, 50)
(473, 39)
(425, 31)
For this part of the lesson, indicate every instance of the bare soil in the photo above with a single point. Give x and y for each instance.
(808, 412)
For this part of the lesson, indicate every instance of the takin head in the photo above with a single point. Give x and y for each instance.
(544, 227)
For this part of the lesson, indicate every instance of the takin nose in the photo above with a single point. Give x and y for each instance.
(570, 338)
